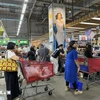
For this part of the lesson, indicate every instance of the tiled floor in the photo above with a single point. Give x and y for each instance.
(59, 94)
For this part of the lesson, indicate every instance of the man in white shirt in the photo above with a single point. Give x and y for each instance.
(25, 49)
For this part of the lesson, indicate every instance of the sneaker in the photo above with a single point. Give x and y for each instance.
(78, 92)
(66, 88)
(57, 74)
(17, 98)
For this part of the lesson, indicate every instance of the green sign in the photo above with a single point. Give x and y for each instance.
(22, 42)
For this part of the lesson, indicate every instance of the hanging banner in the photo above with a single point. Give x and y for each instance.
(57, 29)
(50, 23)
(1, 31)
(83, 37)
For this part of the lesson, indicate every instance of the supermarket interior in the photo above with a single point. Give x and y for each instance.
(49, 49)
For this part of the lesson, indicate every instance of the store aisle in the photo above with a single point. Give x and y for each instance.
(59, 94)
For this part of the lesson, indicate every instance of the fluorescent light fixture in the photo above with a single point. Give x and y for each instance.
(69, 11)
(22, 17)
(20, 22)
(26, 0)
(18, 32)
(9, 19)
(86, 23)
(11, 36)
(75, 28)
(19, 26)
(95, 18)
(24, 8)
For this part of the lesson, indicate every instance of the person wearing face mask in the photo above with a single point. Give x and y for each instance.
(72, 67)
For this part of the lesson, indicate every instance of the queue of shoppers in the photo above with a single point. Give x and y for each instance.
(72, 66)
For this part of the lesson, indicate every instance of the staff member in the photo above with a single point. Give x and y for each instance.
(54, 58)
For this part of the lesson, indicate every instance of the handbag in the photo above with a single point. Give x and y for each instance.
(8, 65)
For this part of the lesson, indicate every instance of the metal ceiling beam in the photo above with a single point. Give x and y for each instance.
(10, 5)
(7, 10)
(87, 5)
(32, 9)
(44, 1)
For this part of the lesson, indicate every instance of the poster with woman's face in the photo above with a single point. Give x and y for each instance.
(59, 14)
(59, 24)
(56, 17)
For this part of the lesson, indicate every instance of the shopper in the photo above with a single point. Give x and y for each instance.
(37, 52)
(72, 67)
(25, 49)
(43, 53)
(11, 78)
(88, 51)
(54, 58)
(61, 61)
(31, 54)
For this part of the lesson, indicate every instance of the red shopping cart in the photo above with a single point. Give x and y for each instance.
(93, 65)
(34, 71)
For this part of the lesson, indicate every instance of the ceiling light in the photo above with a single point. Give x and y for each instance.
(69, 11)
(95, 18)
(20, 22)
(75, 28)
(22, 17)
(12, 36)
(18, 32)
(19, 26)
(26, 0)
(88, 23)
(24, 8)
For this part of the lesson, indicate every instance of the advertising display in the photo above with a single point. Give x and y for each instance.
(22, 42)
(50, 23)
(83, 37)
(57, 29)
(68, 40)
(1, 31)
(90, 34)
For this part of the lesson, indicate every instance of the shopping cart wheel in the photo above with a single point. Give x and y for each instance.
(50, 93)
(87, 88)
(46, 88)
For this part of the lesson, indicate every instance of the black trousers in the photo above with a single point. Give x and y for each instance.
(12, 85)
(74, 85)
(60, 63)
